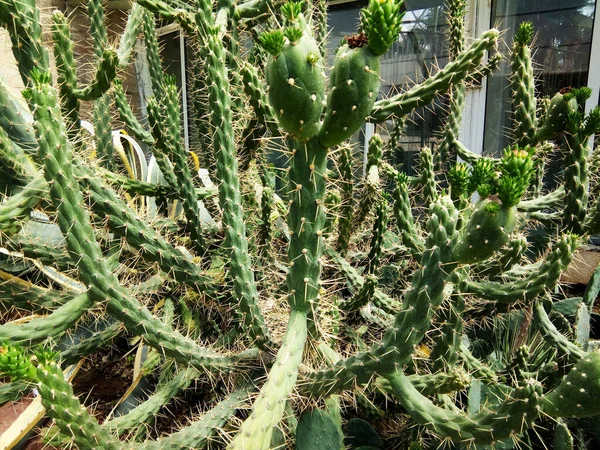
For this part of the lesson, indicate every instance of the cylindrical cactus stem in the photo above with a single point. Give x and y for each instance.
(537, 184)
(240, 264)
(202, 431)
(266, 230)
(363, 296)
(102, 130)
(453, 121)
(445, 352)
(55, 151)
(594, 170)
(347, 207)
(371, 189)
(163, 155)
(149, 409)
(404, 218)
(126, 115)
(67, 71)
(592, 224)
(47, 327)
(105, 74)
(379, 229)
(71, 417)
(523, 87)
(28, 296)
(15, 211)
(152, 52)
(413, 321)
(269, 406)
(357, 281)
(22, 21)
(125, 223)
(433, 383)
(101, 108)
(532, 285)
(555, 117)
(100, 338)
(253, 86)
(200, 105)
(513, 416)
(455, 17)
(427, 175)
(98, 30)
(576, 175)
(553, 336)
(130, 35)
(169, 141)
(425, 92)
(333, 201)
(319, 19)
(306, 219)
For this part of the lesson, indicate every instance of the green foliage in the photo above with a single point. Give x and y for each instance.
(275, 297)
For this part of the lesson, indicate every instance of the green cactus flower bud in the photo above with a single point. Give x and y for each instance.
(524, 33)
(458, 177)
(291, 11)
(15, 363)
(381, 22)
(293, 34)
(482, 177)
(517, 168)
(272, 42)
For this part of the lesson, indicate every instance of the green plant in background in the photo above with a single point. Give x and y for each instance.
(376, 304)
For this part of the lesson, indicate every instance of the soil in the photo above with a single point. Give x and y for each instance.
(104, 378)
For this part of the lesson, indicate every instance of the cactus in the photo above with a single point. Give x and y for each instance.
(404, 299)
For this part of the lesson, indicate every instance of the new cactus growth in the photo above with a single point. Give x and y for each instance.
(320, 291)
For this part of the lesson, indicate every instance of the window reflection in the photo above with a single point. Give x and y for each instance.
(561, 56)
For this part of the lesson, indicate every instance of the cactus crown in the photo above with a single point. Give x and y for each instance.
(524, 34)
(16, 363)
(381, 22)
(272, 41)
(459, 179)
(482, 177)
(517, 168)
(291, 11)
(293, 34)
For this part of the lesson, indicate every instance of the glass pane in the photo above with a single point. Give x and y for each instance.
(420, 49)
(561, 56)
(170, 53)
